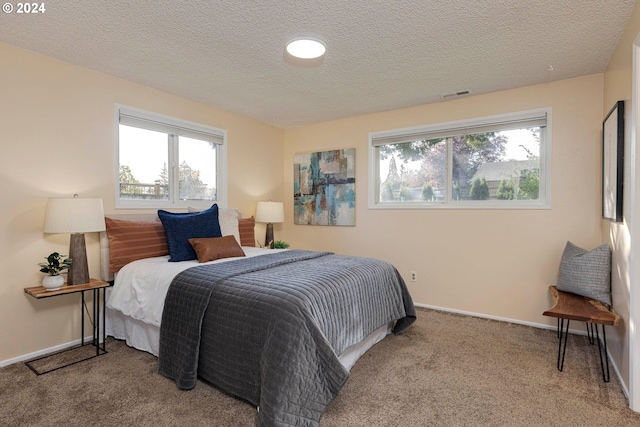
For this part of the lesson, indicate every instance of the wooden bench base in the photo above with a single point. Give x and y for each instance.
(568, 306)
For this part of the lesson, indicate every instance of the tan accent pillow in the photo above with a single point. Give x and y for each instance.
(247, 227)
(213, 248)
(133, 240)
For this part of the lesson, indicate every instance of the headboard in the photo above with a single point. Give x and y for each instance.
(148, 217)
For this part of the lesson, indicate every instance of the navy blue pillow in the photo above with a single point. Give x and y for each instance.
(180, 227)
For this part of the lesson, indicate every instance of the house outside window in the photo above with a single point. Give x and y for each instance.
(163, 162)
(496, 162)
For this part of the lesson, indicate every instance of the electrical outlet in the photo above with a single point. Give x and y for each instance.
(413, 276)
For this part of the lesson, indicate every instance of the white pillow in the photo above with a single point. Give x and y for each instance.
(228, 219)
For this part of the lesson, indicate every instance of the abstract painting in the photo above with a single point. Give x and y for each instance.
(324, 190)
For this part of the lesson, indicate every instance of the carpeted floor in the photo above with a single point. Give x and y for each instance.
(446, 370)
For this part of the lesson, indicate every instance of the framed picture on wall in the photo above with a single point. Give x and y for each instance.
(324, 188)
(612, 163)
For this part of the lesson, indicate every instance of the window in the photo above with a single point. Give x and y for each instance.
(500, 162)
(165, 162)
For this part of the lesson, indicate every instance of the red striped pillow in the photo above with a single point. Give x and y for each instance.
(246, 227)
(132, 240)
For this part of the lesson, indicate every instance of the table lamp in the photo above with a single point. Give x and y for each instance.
(270, 212)
(76, 216)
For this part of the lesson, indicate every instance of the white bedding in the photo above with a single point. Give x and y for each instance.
(140, 287)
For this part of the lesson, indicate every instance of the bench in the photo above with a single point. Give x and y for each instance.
(568, 306)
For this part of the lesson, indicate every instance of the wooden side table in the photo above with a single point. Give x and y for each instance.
(95, 286)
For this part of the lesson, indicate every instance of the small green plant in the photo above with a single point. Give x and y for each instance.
(55, 264)
(279, 244)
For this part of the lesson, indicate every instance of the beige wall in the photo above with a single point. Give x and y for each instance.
(57, 139)
(493, 262)
(617, 86)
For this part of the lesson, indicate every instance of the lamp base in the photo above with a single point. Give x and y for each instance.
(268, 239)
(79, 270)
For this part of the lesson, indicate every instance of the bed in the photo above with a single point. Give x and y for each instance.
(277, 328)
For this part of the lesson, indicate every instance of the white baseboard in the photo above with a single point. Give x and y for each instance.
(487, 316)
(501, 319)
(35, 354)
(532, 324)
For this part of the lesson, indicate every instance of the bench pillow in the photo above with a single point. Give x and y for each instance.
(586, 273)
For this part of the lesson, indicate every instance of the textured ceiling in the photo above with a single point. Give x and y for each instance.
(381, 54)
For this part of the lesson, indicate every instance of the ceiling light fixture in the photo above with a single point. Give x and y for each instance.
(306, 48)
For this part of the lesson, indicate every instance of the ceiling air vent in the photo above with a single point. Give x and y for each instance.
(455, 94)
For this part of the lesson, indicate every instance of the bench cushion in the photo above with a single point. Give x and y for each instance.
(586, 273)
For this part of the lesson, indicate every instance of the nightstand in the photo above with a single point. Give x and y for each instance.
(95, 286)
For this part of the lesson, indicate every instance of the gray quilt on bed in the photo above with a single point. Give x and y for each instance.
(269, 329)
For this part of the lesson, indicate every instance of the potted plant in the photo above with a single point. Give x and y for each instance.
(54, 265)
(279, 244)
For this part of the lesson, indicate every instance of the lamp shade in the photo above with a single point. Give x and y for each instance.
(74, 215)
(270, 212)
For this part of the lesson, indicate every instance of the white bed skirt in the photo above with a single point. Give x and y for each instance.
(146, 337)
(134, 332)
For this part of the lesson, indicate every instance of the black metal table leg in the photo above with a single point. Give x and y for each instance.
(96, 320)
(560, 347)
(590, 333)
(82, 305)
(104, 320)
(606, 377)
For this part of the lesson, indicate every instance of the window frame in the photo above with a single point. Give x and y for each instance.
(173, 127)
(496, 123)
